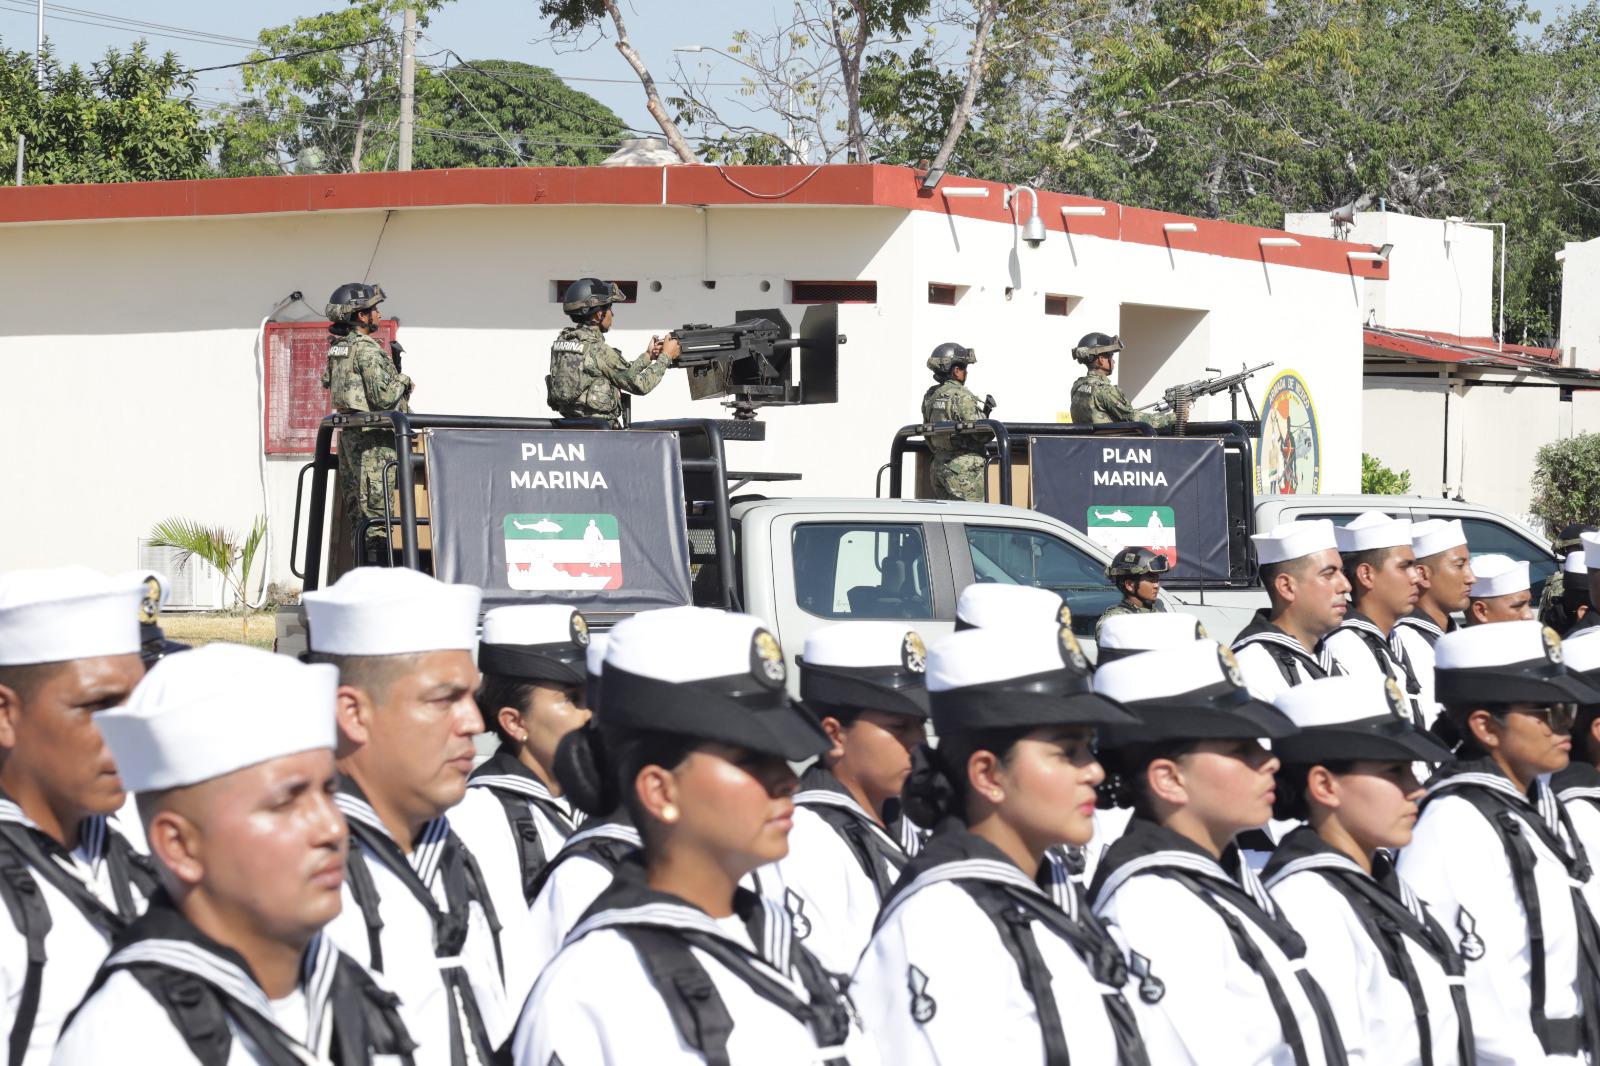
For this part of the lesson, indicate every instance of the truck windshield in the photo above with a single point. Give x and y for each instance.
(1021, 557)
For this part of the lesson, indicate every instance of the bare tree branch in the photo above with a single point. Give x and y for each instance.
(988, 11)
(652, 97)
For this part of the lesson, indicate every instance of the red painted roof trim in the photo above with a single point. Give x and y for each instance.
(843, 185)
(1430, 345)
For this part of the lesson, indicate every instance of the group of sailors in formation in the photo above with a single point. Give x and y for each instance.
(1180, 855)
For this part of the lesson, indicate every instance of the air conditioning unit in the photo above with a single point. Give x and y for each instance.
(195, 584)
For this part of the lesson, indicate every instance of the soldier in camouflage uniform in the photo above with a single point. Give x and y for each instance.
(361, 377)
(1094, 398)
(1552, 612)
(958, 458)
(587, 376)
(1137, 574)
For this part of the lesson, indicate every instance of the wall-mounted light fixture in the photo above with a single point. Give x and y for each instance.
(1083, 211)
(1279, 242)
(964, 192)
(1180, 227)
(1033, 231)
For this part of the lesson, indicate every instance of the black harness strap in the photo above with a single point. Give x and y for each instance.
(1012, 921)
(698, 1012)
(607, 851)
(26, 905)
(1562, 1036)
(366, 897)
(531, 858)
(871, 854)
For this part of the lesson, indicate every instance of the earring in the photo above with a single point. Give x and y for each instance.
(669, 813)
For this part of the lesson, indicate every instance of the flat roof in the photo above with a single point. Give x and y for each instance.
(832, 185)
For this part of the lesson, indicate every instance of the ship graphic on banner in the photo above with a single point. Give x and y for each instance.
(1118, 526)
(562, 552)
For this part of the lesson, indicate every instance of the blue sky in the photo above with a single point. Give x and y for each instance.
(477, 29)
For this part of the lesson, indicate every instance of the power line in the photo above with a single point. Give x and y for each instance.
(542, 100)
(19, 7)
(287, 55)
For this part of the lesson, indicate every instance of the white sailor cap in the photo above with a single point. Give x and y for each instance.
(1344, 718)
(1436, 535)
(1193, 692)
(215, 710)
(1591, 550)
(1123, 635)
(593, 666)
(535, 642)
(1575, 563)
(68, 612)
(1294, 540)
(999, 678)
(1581, 652)
(375, 610)
(877, 666)
(988, 604)
(1371, 530)
(1498, 575)
(1509, 662)
(707, 674)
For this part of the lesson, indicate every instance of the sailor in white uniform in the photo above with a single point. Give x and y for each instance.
(981, 954)
(1494, 853)
(1591, 581)
(230, 750)
(863, 681)
(1578, 786)
(1306, 587)
(1391, 971)
(1221, 974)
(674, 962)
(1121, 636)
(417, 908)
(69, 881)
(1444, 585)
(1382, 569)
(514, 817)
(1501, 591)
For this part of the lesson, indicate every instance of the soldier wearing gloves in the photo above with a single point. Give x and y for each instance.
(230, 751)
(587, 376)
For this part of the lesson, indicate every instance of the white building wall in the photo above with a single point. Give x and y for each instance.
(1442, 274)
(1580, 311)
(128, 376)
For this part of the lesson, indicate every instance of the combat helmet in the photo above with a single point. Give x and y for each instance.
(948, 356)
(1093, 345)
(1570, 537)
(351, 298)
(590, 294)
(1135, 562)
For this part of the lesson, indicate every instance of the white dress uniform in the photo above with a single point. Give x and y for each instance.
(842, 861)
(1502, 870)
(1417, 632)
(973, 960)
(170, 993)
(424, 920)
(69, 904)
(1392, 974)
(1221, 974)
(646, 976)
(1272, 660)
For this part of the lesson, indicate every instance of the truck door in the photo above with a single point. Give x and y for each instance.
(864, 568)
(1021, 555)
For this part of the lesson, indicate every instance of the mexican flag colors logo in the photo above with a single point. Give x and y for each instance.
(562, 552)
(1118, 526)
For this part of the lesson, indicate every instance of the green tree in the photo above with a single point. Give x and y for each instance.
(1566, 481)
(520, 114)
(1377, 479)
(223, 549)
(128, 117)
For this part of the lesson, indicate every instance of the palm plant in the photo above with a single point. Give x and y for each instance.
(218, 547)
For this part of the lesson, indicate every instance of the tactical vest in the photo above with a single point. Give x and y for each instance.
(565, 383)
(345, 389)
(1558, 1036)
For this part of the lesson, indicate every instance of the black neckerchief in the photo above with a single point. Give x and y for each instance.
(1541, 811)
(1579, 781)
(771, 969)
(1012, 900)
(1389, 912)
(1147, 848)
(504, 772)
(1421, 621)
(49, 860)
(875, 850)
(437, 852)
(1318, 662)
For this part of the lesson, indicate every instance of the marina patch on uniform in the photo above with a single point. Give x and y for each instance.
(796, 906)
(923, 1006)
(1151, 987)
(562, 552)
(1471, 946)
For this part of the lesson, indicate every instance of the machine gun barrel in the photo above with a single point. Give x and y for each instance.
(750, 360)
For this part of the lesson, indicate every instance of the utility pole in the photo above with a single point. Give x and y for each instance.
(38, 79)
(408, 84)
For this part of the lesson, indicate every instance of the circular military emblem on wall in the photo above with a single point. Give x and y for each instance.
(1289, 450)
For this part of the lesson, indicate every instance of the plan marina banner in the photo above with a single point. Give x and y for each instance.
(589, 517)
(1166, 494)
